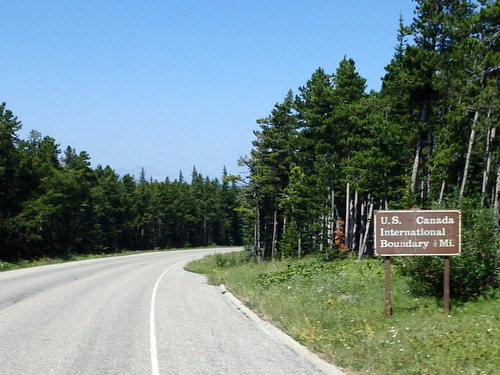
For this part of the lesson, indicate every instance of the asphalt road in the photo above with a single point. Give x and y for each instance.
(138, 314)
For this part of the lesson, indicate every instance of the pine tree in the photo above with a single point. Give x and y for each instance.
(316, 157)
(39, 164)
(108, 209)
(273, 154)
(354, 150)
(488, 21)
(9, 180)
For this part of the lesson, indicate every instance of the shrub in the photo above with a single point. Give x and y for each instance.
(229, 260)
(474, 273)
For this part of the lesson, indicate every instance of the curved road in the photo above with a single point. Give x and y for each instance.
(137, 314)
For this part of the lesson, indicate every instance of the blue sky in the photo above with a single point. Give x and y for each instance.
(176, 84)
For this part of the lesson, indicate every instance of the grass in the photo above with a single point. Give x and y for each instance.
(7, 266)
(337, 309)
(26, 263)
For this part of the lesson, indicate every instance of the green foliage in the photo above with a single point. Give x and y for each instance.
(230, 260)
(294, 271)
(215, 265)
(431, 133)
(475, 272)
(52, 206)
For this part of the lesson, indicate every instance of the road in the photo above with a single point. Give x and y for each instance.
(137, 314)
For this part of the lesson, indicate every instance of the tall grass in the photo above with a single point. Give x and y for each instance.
(338, 310)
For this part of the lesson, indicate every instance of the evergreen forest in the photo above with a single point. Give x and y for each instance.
(53, 204)
(322, 161)
(330, 153)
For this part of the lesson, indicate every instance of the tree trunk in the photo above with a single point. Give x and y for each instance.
(362, 225)
(275, 234)
(258, 250)
(469, 153)
(426, 190)
(385, 204)
(347, 223)
(299, 244)
(441, 193)
(368, 220)
(416, 165)
(424, 114)
(264, 242)
(496, 196)
(331, 234)
(355, 221)
(284, 231)
(487, 164)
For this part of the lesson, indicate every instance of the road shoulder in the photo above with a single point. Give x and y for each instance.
(269, 329)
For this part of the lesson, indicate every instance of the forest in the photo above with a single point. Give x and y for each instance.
(330, 153)
(322, 161)
(53, 204)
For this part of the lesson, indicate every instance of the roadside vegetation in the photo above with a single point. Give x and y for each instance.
(27, 263)
(330, 153)
(337, 309)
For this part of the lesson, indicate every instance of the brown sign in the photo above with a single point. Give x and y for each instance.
(419, 232)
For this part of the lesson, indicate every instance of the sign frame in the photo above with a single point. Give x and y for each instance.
(417, 232)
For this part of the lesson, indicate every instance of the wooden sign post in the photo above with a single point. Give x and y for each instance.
(418, 233)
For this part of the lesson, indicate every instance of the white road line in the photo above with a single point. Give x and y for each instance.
(152, 328)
